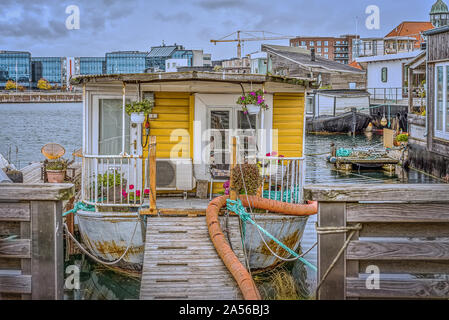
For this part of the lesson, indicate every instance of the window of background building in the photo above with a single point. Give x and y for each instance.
(312, 43)
(318, 50)
(326, 56)
(318, 43)
(326, 49)
(326, 43)
(303, 43)
(384, 74)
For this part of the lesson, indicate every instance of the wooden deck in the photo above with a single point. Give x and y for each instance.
(32, 173)
(180, 261)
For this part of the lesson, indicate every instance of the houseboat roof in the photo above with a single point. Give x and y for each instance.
(387, 57)
(343, 93)
(436, 31)
(188, 76)
(302, 57)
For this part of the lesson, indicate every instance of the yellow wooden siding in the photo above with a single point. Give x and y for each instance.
(172, 127)
(288, 119)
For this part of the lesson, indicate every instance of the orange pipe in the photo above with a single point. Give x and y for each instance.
(227, 255)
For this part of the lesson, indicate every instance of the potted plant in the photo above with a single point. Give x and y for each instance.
(110, 185)
(138, 110)
(56, 170)
(250, 173)
(252, 102)
(402, 139)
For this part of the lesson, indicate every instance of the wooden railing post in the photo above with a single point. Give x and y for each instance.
(152, 170)
(331, 214)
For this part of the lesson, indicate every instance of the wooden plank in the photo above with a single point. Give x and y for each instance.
(10, 264)
(331, 215)
(411, 193)
(15, 248)
(14, 211)
(383, 250)
(48, 191)
(418, 230)
(407, 267)
(9, 228)
(47, 254)
(415, 288)
(395, 212)
(25, 264)
(15, 284)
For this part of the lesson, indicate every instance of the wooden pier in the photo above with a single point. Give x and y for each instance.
(180, 261)
(31, 244)
(396, 237)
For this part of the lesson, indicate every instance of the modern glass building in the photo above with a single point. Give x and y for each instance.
(126, 62)
(16, 66)
(52, 69)
(159, 55)
(90, 65)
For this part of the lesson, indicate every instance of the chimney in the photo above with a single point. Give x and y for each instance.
(312, 54)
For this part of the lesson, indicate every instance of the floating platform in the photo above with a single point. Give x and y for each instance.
(351, 163)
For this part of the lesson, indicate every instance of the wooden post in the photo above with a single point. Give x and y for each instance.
(333, 287)
(233, 192)
(410, 95)
(152, 166)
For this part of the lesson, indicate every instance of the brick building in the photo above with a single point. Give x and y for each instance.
(336, 49)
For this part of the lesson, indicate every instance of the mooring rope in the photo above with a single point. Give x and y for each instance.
(107, 263)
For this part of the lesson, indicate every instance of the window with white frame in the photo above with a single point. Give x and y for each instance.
(442, 101)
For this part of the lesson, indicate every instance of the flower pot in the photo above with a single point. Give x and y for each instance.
(253, 109)
(137, 117)
(55, 176)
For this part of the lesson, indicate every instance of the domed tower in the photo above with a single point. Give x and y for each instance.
(439, 15)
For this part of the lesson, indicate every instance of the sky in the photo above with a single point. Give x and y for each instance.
(39, 26)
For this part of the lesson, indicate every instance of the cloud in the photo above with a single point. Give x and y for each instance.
(221, 4)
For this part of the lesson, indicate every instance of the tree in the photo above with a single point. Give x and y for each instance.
(43, 84)
(10, 85)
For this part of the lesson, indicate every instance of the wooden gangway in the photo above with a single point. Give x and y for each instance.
(180, 261)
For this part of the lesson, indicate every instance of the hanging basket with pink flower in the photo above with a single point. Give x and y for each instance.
(252, 102)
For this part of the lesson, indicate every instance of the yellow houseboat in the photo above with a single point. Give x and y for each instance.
(195, 115)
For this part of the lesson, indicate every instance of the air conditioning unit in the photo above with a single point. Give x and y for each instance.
(174, 174)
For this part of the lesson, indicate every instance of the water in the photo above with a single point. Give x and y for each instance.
(30, 126)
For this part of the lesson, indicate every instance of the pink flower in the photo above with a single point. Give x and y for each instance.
(245, 112)
(146, 191)
(226, 184)
(138, 193)
(124, 194)
(243, 98)
(252, 93)
(131, 187)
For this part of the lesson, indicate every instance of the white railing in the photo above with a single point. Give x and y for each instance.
(115, 181)
(283, 178)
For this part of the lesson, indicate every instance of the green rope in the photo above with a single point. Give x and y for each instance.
(79, 206)
(288, 196)
(238, 208)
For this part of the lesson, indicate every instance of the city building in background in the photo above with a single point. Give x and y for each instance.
(406, 37)
(236, 65)
(126, 62)
(16, 66)
(52, 69)
(157, 57)
(439, 14)
(90, 65)
(259, 64)
(336, 49)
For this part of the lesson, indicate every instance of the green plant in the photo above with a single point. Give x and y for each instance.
(106, 179)
(145, 106)
(254, 97)
(251, 175)
(60, 165)
(402, 138)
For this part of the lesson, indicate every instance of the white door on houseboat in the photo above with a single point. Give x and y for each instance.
(224, 123)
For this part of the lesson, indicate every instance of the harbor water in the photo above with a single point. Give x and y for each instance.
(25, 128)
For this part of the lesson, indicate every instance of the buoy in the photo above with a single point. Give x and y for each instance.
(369, 128)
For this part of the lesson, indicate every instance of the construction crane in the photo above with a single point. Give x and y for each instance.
(252, 37)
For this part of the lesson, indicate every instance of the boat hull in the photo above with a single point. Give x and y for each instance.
(287, 229)
(347, 122)
(107, 235)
